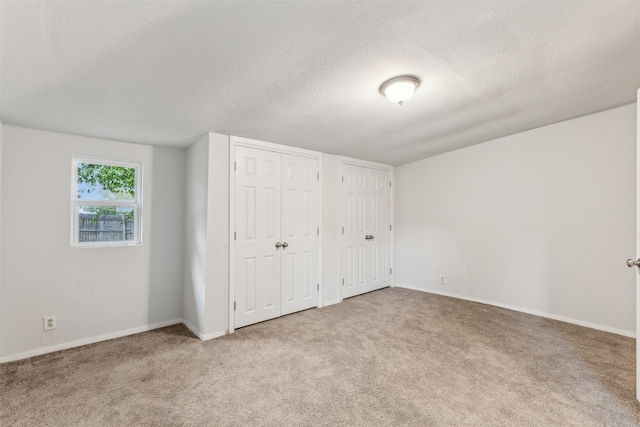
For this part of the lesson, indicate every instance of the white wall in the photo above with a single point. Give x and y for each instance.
(331, 180)
(96, 293)
(217, 299)
(1, 137)
(196, 205)
(541, 221)
(206, 275)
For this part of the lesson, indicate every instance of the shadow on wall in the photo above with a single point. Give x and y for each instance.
(163, 232)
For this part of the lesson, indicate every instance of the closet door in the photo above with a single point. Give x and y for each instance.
(300, 218)
(276, 224)
(258, 222)
(353, 254)
(365, 244)
(379, 228)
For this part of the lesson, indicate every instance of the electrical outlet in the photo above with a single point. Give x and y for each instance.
(49, 322)
(442, 279)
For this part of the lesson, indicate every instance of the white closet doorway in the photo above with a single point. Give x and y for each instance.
(366, 239)
(276, 234)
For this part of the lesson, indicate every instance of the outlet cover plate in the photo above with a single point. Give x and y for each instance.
(49, 322)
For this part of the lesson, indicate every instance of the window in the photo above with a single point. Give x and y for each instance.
(106, 203)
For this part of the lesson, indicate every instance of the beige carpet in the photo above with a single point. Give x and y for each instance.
(392, 357)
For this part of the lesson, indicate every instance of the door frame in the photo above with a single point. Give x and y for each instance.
(235, 141)
(379, 166)
(637, 284)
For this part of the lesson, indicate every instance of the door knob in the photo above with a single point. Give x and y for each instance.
(279, 245)
(631, 263)
(285, 245)
(368, 237)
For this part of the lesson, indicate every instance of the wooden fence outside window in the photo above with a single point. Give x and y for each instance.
(104, 228)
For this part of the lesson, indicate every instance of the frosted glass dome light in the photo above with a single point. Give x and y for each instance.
(399, 89)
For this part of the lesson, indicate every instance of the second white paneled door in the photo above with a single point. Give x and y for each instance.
(300, 219)
(366, 235)
(276, 234)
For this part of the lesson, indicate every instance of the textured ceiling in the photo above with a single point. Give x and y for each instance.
(307, 73)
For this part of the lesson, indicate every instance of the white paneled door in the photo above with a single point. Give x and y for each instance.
(300, 219)
(366, 234)
(276, 235)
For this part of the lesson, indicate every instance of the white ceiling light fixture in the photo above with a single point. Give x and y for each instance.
(399, 89)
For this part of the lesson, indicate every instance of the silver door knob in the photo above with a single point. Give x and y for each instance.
(285, 245)
(368, 237)
(631, 263)
(279, 245)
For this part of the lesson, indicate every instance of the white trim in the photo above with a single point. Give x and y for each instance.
(193, 329)
(320, 282)
(102, 161)
(364, 163)
(544, 314)
(213, 335)
(86, 341)
(201, 336)
(235, 141)
(232, 230)
(332, 302)
(392, 240)
(269, 146)
(637, 281)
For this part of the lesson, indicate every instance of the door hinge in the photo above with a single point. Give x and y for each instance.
(234, 235)
(391, 271)
(235, 166)
(389, 227)
(342, 282)
(389, 184)
(318, 287)
(234, 306)
(318, 232)
(342, 230)
(342, 178)
(318, 176)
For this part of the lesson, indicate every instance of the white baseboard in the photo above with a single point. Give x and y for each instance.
(85, 341)
(596, 326)
(214, 335)
(203, 337)
(332, 302)
(193, 329)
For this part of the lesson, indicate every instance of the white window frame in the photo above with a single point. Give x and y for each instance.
(136, 204)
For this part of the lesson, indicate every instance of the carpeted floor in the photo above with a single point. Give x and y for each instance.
(391, 357)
